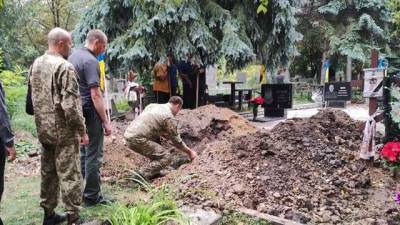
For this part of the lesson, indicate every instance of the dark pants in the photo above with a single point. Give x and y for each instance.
(92, 156)
(189, 97)
(173, 91)
(161, 97)
(3, 156)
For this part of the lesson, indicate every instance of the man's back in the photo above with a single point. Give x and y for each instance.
(150, 123)
(87, 67)
(52, 78)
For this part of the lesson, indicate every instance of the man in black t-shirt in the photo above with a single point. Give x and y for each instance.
(94, 111)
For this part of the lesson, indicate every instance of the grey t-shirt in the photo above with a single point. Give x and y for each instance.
(87, 67)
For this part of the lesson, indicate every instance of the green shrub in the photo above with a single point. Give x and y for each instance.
(302, 98)
(24, 147)
(122, 105)
(159, 209)
(15, 87)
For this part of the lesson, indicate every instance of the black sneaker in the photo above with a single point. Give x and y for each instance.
(54, 219)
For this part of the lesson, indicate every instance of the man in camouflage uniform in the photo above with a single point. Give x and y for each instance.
(143, 133)
(60, 124)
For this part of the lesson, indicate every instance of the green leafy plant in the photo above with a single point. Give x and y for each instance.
(263, 7)
(24, 147)
(14, 85)
(122, 105)
(159, 209)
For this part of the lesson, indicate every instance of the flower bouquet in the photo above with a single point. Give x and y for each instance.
(256, 101)
(390, 154)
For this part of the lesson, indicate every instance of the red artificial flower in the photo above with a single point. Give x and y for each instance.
(258, 100)
(391, 151)
(396, 146)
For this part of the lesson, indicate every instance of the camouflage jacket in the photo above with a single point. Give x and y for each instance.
(56, 100)
(155, 121)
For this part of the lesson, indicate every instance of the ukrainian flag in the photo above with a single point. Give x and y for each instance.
(326, 66)
(263, 74)
(102, 66)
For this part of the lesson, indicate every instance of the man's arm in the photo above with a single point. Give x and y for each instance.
(92, 76)
(97, 99)
(171, 127)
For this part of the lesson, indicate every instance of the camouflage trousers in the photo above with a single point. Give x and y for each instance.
(160, 157)
(60, 172)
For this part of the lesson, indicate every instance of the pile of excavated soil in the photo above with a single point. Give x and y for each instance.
(119, 161)
(304, 169)
(197, 127)
(210, 123)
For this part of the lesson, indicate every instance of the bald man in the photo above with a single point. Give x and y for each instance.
(87, 67)
(60, 128)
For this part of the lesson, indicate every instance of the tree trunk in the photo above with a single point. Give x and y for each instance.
(348, 68)
(324, 54)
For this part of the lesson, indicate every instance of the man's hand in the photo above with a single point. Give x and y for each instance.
(107, 128)
(85, 139)
(192, 154)
(12, 154)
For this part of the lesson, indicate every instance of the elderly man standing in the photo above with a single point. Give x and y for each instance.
(6, 140)
(87, 67)
(143, 135)
(60, 125)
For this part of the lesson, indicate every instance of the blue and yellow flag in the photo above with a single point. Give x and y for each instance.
(102, 66)
(263, 74)
(326, 66)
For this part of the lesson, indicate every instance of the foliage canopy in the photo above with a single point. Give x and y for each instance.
(140, 32)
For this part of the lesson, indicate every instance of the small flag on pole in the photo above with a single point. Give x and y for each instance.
(102, 66)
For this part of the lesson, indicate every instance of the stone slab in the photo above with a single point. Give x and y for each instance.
(201, 216)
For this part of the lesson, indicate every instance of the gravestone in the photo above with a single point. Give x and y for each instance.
(337, 93)
(278, 97)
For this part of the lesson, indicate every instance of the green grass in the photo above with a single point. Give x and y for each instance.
(241, 219)
(158, 209)
(301, 99)
(20, 203)
(24, 122)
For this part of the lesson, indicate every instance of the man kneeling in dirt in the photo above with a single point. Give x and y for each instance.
(143, 135)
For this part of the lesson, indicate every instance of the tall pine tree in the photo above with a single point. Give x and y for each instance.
(344, 29)
(142, 31)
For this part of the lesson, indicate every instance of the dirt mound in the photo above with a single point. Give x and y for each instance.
(119, 160)
(197, 127)
(303, 169)
(210, 123)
